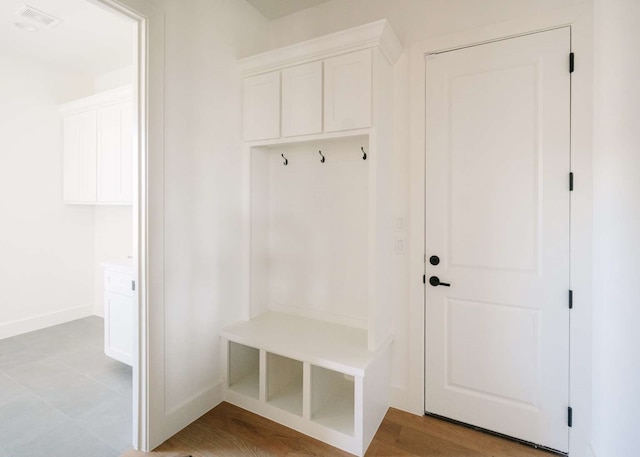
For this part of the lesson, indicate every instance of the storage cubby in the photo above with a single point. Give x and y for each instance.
(244, 370)
(284, 383)
(333, 399)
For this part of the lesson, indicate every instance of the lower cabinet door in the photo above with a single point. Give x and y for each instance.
(118, 328)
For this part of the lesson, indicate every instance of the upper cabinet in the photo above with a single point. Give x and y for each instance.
(262, 107)
(319, 86)
(79, 157)
(115, 153)
(98, 149)
(347, 91)
(302, 99)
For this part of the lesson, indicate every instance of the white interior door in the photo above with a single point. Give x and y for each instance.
(498, 162)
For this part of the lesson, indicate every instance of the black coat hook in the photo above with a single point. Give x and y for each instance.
(321, 160)
(364, 154)
(286, 162)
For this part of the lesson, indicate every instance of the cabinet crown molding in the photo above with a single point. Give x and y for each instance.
(375, 34)
(98, 100)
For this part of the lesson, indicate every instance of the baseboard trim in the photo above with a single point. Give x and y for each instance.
(30, 324)
(399, 398)
(191, 410)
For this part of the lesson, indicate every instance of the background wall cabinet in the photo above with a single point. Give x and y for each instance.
(115, 153)
(79, 161)
(98, 149)
(119, 309)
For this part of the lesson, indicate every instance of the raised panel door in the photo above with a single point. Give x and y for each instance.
(498, 161)
(261, 107)
(118, 332)
(347, 91)
(302, 99)
(79, 158)
(115, 148)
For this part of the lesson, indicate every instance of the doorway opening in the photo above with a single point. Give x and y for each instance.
(74, 132)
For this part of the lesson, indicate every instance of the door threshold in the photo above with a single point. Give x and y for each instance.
(500, 435)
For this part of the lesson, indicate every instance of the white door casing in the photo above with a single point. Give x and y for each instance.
(497, 215)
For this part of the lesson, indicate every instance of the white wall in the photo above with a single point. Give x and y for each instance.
(195, 198)
(46, 246)
(616, 400)
(412, 20)
(114, 79)
(203, 185)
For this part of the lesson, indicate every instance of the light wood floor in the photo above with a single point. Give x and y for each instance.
(228, 431)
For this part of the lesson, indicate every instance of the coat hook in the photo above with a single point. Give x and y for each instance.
(364, 154)
(286, 162)
(321, 160)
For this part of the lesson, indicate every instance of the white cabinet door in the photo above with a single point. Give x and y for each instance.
(79, 158)
(262, 107)
(118, 335)
(115, 148)
(347, 91)
(302, 99)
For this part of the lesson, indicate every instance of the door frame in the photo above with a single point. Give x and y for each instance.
(580, 20)
(140, 403)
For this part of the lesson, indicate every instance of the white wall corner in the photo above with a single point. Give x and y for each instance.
(18, 327)
(375, 34)
(183, 415)
(400, 399)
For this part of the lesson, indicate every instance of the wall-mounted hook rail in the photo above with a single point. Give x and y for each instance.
(286, 162)
(321, 160)
(364, 154)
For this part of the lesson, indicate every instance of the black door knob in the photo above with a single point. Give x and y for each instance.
(435, 281)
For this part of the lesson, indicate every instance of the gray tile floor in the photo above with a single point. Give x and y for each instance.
(60, 396)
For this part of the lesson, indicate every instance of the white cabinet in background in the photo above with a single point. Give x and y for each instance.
(115, 153)
(98, 149)
(302, 99)
(347, 91)
(119, 309)
(261, 106)
(79, 152)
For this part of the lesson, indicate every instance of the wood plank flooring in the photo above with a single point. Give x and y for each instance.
(228, 431)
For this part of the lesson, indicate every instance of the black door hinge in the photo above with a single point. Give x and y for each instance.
(571, 62)
(571, 180)
(570, 416)
(133, 285)
(424, 279)
(570, 299)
